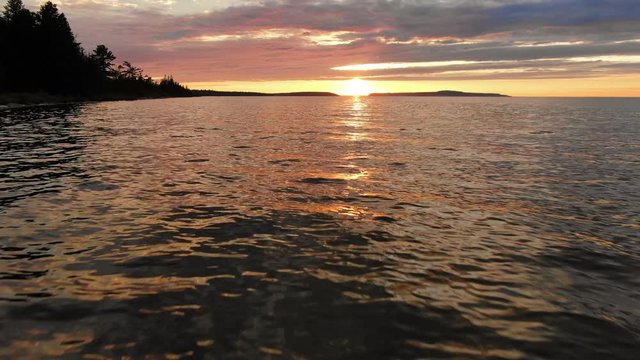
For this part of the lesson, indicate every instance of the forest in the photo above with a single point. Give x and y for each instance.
(39, 54)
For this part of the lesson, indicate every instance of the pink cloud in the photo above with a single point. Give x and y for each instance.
(278, 40)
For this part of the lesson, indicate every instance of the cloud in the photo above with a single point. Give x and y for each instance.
(306, 39)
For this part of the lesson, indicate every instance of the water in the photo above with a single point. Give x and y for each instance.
(321, 228)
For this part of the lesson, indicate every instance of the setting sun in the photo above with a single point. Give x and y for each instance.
(356, 87)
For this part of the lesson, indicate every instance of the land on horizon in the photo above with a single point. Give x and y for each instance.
(44, 98)
(441, 93)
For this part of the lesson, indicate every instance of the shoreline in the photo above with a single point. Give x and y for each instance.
(22, 100)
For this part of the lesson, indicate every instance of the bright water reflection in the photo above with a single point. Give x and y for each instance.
(321, 228)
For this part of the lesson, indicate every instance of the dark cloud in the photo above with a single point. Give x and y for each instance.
(407, 19)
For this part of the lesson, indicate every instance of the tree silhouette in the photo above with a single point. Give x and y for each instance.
(3, 47)
(103, 58)
(20, 58)
(58, 44)
(128, 71)
(12, 9)
(39, 52)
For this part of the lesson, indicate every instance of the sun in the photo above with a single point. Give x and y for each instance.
(356, 87)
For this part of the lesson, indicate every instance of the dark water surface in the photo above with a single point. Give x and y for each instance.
(321, 228)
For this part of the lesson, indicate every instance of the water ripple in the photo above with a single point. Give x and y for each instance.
(321, 228)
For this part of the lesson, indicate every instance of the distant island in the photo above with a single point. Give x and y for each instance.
(442, 93)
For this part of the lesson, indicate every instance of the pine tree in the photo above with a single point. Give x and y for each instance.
(12, 9)
(103, 58)
(58, 46)
(19, 54)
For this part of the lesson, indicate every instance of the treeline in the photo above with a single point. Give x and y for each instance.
(39, 53)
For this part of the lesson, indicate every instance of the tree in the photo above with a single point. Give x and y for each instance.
(57, 44)
(128, 71)
(54, 25)
(3, 49)
(18, 54)
(12, 9)
(103, 58)
(170, 86)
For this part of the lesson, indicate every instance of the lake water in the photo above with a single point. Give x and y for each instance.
(321, 228)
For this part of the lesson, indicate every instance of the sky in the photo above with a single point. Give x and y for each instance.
(517, 47)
